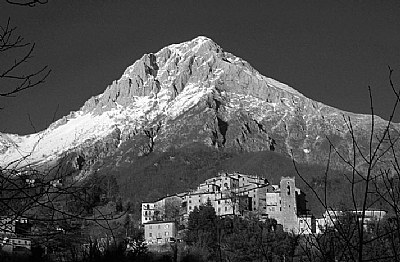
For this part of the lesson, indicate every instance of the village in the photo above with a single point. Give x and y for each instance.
(236, 194)
(230, 194)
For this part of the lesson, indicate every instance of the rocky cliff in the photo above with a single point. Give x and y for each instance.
(195, 93)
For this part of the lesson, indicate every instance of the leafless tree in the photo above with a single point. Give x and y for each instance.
(29, 3)
(56, 205)
(16, 53)
(373, 174)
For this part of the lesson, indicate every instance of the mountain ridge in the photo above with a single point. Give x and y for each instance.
(213, 96)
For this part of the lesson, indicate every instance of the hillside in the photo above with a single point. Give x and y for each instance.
(160, 174)
(180, 115)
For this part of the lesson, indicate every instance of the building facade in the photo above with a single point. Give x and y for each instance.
(306, 225)
(167, 208)
(160, 232)
(286, 203)
(13, 244)
(330, 217)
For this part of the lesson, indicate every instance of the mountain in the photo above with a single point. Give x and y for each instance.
(190, 95)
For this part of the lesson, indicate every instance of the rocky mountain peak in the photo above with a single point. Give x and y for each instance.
(193, 92)
(170, 69)
(200, 62)
(199, 45)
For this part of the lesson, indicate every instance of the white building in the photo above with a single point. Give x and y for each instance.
(14, 243)
(306, 225)
(160, 232)
(330, 217)
(164, 208)
(148, 212)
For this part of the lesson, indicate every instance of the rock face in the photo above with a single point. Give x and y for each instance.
(190, 93)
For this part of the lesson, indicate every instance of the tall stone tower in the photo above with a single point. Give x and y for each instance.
(288, 202)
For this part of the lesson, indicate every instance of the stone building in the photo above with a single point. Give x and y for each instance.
(223, 203)
(160, 232)
(286, 203)
(230, 194)
(167, 208)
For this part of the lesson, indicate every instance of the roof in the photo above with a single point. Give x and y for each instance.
(159, 222)
(306, 216)
(202, 193)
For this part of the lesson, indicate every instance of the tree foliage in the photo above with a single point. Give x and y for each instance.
(236, 238)
(201, 227)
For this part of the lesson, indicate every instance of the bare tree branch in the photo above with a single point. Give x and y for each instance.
(13, 79)
(29, 3)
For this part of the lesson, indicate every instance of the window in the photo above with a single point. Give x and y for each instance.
(151, 227)
(150, 235)
(158, 226)
(166, 234)
(166, 226)
(226, 208)
(190, 207)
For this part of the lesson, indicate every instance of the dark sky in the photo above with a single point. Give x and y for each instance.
(328, 50)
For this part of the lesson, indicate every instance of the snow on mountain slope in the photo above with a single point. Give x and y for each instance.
(48, 144)
(164, 86)
(85, 125)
